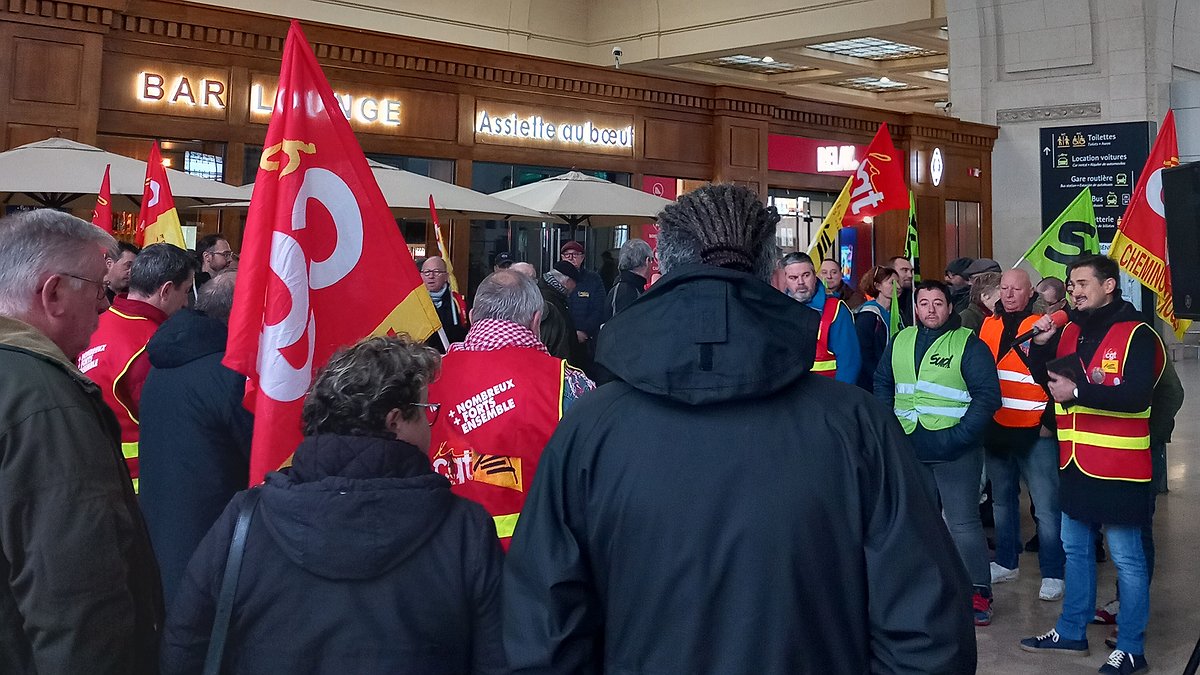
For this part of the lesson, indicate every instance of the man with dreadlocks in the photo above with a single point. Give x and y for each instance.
(709, 512)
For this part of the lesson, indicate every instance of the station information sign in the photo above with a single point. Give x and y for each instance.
(1105, 157)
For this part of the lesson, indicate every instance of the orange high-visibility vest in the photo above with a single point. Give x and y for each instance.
(1022, 400)
(825, 362)
(499, 408)
(1103, 443)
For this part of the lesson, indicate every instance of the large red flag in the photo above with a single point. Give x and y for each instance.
(1140, 245)
(323, 263)
(158, 221)
(102, 215)
(876, 186)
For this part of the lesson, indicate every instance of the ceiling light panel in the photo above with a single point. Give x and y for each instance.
(873, 84)
(874, 49)
(754, 64)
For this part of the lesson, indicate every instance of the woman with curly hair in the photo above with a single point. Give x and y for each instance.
(358, 559)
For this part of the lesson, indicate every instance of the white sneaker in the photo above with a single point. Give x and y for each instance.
(1001, 574)
(1052, 589)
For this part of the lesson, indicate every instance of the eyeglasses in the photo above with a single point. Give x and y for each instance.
(226, 254)
(431, 411)
(99, 284)
(433, 273)
(572, 254)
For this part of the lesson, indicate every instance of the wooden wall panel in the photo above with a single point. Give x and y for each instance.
(20, 134)
(744, 148)
(33, 62)
(677, 141)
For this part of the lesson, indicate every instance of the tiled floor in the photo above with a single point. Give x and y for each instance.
(1175, 595)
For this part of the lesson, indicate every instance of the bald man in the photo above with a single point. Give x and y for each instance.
(1017, 443)
(524, 268)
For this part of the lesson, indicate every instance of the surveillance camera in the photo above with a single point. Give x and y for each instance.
(618, 52)
(943, 105)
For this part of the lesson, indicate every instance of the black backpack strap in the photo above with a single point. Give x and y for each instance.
(233, 568)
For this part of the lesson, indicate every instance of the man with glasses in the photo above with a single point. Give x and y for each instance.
(451, 307)
(79, 590)
(215, 256)
(115, 359)
(503, 395)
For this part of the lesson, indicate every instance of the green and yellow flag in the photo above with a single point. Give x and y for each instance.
(912, 249)
(1072, 234)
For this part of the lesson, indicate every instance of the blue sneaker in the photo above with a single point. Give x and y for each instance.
(982, 604)
(1052, 643)
(1123, 663)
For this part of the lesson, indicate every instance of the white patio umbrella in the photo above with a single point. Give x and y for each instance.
(58, 171)
(576, 197)
(407, 194)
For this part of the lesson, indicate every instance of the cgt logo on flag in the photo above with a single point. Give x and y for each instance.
(323, 264)
(279, 379)
(865, 194)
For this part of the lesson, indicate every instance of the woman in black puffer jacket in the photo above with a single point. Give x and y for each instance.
(358, 559)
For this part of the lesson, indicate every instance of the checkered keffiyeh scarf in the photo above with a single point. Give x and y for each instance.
(488, 335)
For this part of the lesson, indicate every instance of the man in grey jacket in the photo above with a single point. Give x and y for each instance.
(80, 587)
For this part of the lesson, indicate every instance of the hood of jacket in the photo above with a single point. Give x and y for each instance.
(705, 334)
(186, 336)
(354, 507)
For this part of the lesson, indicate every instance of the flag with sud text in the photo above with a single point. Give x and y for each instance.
(102, 215)
(1072, 234)
(1140, 246)
(877, 185)
(323, 263)
(912, 246)
(158, 221)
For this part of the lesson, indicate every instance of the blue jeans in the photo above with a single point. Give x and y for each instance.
(1133, 582)
(1038, 465)
(957, 486)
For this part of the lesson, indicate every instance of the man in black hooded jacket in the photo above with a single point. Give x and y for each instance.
(195, 432)
(711, 511)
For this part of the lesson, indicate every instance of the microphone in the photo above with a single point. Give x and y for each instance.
(1059, 319)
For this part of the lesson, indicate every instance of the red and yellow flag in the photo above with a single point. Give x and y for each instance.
(158, 221)
(1140, 245)
(323, 264)
(876, 186)
(102, 215)
(443, 250)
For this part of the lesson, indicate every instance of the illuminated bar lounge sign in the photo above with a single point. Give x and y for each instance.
(506, 124)
(366, 110)
(181, 90)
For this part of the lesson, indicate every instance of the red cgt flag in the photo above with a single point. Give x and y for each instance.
(1140, 245)
(158, 221)
(877, 185)
(323, 263)
(102, 215)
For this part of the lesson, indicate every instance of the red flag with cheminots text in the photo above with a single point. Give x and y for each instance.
(323, 263)
(102, 214)
(1140, 245)
(158, 221)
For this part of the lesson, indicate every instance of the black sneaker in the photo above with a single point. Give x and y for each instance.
(1052, 643)
(1123, 663)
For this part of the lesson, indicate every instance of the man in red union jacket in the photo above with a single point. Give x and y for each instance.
(115, 359)
(501, 396)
